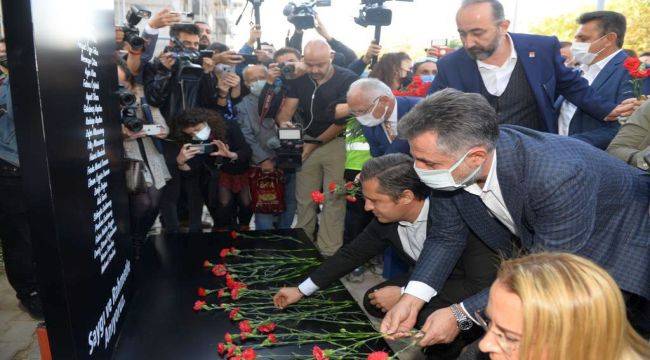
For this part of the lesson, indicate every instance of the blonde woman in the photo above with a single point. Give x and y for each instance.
(557, 306)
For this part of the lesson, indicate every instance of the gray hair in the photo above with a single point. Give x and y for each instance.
(252, 67)
(497, 9)
(461, 121)
(370, 89)
(395, 174)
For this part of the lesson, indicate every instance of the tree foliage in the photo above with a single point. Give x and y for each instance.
(637, 13)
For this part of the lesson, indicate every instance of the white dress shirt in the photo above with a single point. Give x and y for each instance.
(496, 78)
(589, 72)
(411, 236)
(491, 196)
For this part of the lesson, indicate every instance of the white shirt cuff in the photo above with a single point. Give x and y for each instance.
(149, 30)
(401, 290)
(308, 287)
(468, 314)
(420, 290)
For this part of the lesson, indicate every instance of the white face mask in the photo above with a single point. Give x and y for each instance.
(581, 54)
(256, 87)
(442, 179)
(204, 134)
(369, 119)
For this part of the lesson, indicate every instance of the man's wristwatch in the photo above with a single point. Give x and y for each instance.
(464, 322)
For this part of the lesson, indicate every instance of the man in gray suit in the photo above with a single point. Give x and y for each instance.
(518, 190)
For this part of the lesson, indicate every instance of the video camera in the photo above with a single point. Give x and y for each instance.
(188, 62)
(288, 149)
(302, 14)
(131, 33)
(374, 13)
(129, 110)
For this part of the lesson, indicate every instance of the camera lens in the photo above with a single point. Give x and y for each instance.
(130, 119)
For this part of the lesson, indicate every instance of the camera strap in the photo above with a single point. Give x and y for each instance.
(148, 116)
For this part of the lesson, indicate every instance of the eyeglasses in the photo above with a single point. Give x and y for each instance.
(506, 344)
(367, 110)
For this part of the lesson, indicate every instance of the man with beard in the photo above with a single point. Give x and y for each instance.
(204, 34)
(520, 75)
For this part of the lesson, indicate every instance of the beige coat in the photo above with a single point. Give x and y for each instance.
(632, 143)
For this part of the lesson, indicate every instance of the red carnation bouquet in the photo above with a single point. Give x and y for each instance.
(349, 190)
(639, 72)
(416, 88)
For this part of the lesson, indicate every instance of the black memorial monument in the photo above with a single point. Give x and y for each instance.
(63, 78)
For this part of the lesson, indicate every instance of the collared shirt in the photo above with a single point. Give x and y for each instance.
(411, 236)
(589, 72)
(492, 197)
(496, 78)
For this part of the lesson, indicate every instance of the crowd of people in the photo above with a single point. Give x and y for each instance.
(505, 183)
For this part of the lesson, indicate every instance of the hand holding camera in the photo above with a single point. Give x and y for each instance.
(320, 28)
(132, 135)
(223, 150)
(188, 151)
(167, 60)
(229, 57)
(255, 34)
(164, 18)
(208, 65)
(228, 81)
(373, 51)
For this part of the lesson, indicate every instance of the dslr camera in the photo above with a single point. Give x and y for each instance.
(301, 15)
(131, 33)
(188, 62)
(287, 70)
(129, 107)
(288, 150)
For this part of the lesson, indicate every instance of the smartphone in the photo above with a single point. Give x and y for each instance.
(250, 59)
(153, 130)
(185, 16)
(206, 53)
(205, 148)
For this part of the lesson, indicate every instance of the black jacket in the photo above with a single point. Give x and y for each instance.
(476, 267)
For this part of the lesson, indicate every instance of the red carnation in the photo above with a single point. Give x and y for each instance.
(272, 339)
(349, 185)
(243, 336)
(230, 282)
(234, 293)
(351, 198)
(234, 251)
(248, 354)
(632, 63)
(224, 252)
(198, 305)
(233, 313)
(228, 338)
(207, 264)
(245, 326)
(231, 351)
(331, 187)
(378, 355)
(221, 348)
(220, 293)
(219, 270)
(267, 328)
(201, 291)
(233, 234)
(318, 197)
(318, 353)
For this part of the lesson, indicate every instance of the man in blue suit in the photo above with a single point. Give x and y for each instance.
(518, 190)
(376, 108)
(598, 47)
(520, 75)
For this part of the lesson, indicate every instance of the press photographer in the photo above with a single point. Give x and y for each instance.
(286, 66)
(213, 149)
(261, 134)
(146, 170)
(319, 97)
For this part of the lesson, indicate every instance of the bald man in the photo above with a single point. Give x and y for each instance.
(319, 98)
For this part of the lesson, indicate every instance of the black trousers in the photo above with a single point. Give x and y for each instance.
(15, 236)
(448, 295)
(356, 217)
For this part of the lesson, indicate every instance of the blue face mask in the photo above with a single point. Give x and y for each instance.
(427, 78)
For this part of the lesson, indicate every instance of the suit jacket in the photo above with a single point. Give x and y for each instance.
(376, 136)
(563, 195)
(612, 84)
(545, 71)
(475, 269)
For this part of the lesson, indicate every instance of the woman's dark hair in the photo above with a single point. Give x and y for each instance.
(388, 67)
(193, 117)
